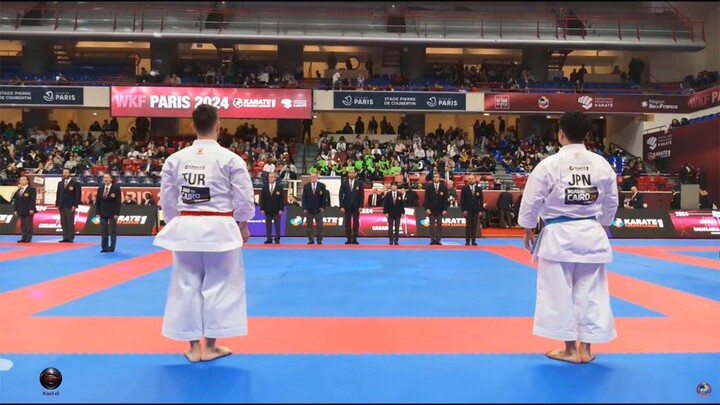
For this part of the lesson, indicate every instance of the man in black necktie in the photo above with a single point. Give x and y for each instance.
(393, 207)
(108, 204)
(272, 205)
(471, 203)
(505, 206)
(435, 207)
(67, 200)
(313, 202)
(351, 200)
(24, 207)
(376, 198)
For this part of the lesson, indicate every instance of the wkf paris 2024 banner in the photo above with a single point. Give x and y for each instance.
(179, 102)
(398, 100)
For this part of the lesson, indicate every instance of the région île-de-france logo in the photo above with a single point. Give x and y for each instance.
(543, 102)
(432, 101)
(586, 102)
(49, 96)
(704, 390)
(652, 142)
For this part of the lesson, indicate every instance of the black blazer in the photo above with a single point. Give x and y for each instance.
(471, 200)
(394, 208)
(411, 198)
(312, 203)
(378, 200)
(69, 197)
(638, 201)
(271, 204)
(110, 206)
(351, 199)
(505, 201)
(25, 202)
(436, 202)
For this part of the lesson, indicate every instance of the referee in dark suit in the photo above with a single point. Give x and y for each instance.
(69, 192)
(24, 207)
(351, 200)
(471, 203)
(436, 207)
(272, 205)
(313, 202)
(109, 200)
(394, 208)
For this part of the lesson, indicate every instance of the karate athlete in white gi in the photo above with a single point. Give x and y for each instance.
(575, 193)
(207, 198)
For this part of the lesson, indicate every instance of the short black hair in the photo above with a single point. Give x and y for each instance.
(394, 183)
(204, 118)
(575, 125)
(26, 177)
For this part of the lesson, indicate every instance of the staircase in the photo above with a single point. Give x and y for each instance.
(305, 157)
(391, 58)
(557, 59)
(63, 54)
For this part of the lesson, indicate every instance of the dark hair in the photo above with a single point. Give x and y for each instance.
(575, 125)
(111, 177)
(204, 118)
(26, 177)
(394, 183)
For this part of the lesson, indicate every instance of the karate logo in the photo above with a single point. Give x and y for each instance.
(238, 102)
(297, 221)
(586, 102)
(425, 222)
(51, 378)
(95, 220)
(704, 390)
(652, 142)
(287, 103)
(618, 223)
(543, 102)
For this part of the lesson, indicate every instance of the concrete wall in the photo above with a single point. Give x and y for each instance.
(626, 132)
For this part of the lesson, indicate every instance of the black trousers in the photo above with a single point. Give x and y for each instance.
(108, 227)
(305, 131)
(471, 225)
(67, 222)
(506, 218)
(393, 228)
(318, 218)
(435, 225)
(269, 220)
(26, 227)
(352, 222)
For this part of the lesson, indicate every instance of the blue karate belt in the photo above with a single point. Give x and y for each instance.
(559, 220)
(563, 219)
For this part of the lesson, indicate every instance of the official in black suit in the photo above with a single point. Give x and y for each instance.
(436, 207)
(505, 206)
(313, 202)
(376, 198)
(637, 201)
(109, 200)
(272, 206)
(675, 201)
(24, 207)
(67, 200)
(410, 197)
(471, 203)
(351, 200)
(394, 208)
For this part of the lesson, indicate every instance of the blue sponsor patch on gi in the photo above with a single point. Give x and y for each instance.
(581, 195)
(194, 195)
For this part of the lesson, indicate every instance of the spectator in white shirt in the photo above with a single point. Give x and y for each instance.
(269, 166)
(336, 79)
(341, 145)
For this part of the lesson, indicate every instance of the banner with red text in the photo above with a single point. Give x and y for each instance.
(704, 99)
(179, 102)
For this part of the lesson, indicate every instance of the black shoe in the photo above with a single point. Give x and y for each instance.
(111, 250)
(311, 242)
(319, 241)
(474, 243)
(267, 242)
(438, 243)
(397, 241)
(348, 242)
(355, 242)
(467, 243)
(277, 241)
(432, 242)
(391, 243)
(21, 241)
(105, 250)
(64, 241)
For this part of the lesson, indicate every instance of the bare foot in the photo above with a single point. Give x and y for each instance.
(585, 355)
(564, 355)
(212, 353)
(194, 355)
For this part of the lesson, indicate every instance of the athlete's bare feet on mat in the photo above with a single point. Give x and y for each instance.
(585, 355)
(194, 354)
(564, 355)
(215, 352)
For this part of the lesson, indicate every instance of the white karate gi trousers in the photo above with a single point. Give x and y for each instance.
(206, 297)
(573, 302)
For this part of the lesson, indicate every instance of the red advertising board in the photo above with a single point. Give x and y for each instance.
(179, 102)
(704, 99)
(589, 103)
